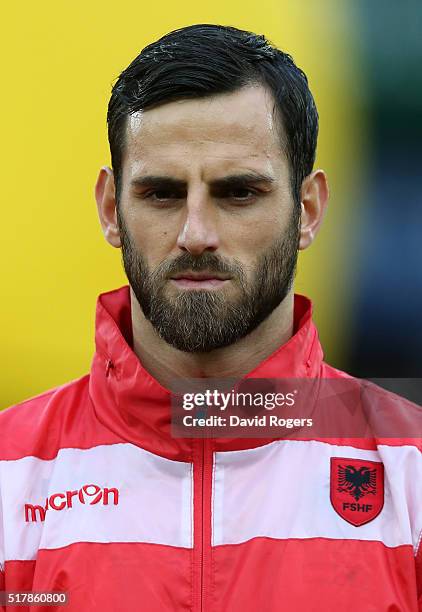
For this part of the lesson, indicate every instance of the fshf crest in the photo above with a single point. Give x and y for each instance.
(357, 489)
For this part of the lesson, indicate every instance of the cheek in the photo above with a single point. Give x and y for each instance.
(248, 240)
(155, 241)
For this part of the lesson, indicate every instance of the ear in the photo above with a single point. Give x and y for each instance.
(105, 195)
(314, 200)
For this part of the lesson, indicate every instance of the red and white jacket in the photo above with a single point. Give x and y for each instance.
(99, 501)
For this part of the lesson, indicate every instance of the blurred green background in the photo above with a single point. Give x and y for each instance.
(363, 273)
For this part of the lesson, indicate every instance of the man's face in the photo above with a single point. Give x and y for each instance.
(208, 225)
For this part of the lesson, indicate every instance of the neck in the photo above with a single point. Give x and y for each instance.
(166, 363)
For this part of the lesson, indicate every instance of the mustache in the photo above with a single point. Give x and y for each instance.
(205, 261)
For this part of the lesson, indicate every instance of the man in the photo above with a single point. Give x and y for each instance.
(211, 194)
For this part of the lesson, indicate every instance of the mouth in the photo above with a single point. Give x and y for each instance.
(199, 280)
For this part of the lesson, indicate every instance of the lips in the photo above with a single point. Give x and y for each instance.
(199, 280)
(199, 276)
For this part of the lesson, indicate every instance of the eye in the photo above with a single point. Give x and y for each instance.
(241, 194)
(163, 198)
(163, 194)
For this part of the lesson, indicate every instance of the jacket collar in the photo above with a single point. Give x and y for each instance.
(130, 402)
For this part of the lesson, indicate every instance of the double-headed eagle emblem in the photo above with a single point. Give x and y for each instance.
(357, 481)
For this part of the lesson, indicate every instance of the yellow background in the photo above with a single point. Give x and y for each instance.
(59, 60)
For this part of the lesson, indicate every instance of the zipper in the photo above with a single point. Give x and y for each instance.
(202, 528)
(202, 523)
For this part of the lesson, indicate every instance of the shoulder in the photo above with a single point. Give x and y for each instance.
(393, 419)
(329, 371)
(33, 426)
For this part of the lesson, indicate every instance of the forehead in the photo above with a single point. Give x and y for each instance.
(240, 128)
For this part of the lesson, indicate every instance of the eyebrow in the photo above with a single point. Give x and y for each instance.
(233, 180)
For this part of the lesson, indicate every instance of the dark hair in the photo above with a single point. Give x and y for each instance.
(203, 60)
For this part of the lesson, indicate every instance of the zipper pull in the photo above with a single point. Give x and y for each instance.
(109, 366)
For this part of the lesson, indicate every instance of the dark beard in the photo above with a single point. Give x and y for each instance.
(199, 321)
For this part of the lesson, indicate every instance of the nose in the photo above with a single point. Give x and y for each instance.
(199, 231)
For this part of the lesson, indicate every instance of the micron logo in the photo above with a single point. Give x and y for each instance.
(90, 494)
